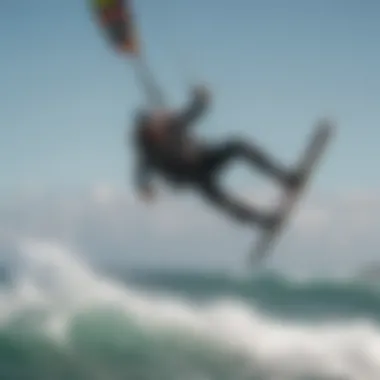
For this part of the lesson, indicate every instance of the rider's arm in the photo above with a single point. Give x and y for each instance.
(143, 170)
(143, 176)
(196, 108)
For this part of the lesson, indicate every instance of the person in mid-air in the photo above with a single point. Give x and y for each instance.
(164, 146)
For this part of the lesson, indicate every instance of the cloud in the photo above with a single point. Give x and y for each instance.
(108, 224)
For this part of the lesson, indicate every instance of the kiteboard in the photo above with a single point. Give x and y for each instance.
(307, 165)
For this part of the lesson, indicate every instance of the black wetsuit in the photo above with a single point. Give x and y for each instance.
(181, 160)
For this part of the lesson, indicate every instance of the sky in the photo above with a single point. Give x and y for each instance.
(273, 67)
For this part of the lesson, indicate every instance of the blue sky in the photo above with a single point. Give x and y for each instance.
(274, 67)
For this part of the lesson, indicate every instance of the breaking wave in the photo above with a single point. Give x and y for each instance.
(61, 319)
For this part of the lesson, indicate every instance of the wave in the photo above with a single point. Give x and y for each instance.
(317, 298)
(61, 319)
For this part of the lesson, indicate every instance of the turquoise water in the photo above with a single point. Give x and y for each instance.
(59, 319)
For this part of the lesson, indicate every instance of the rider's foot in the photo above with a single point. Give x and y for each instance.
(293, 180)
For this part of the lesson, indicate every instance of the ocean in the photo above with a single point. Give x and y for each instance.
(60, 318)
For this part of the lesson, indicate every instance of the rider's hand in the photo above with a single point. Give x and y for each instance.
(147, 194)
(202, 92)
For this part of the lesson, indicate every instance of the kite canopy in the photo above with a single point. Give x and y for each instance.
(115, 17)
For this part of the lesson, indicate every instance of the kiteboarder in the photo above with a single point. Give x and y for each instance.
(165, 146)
